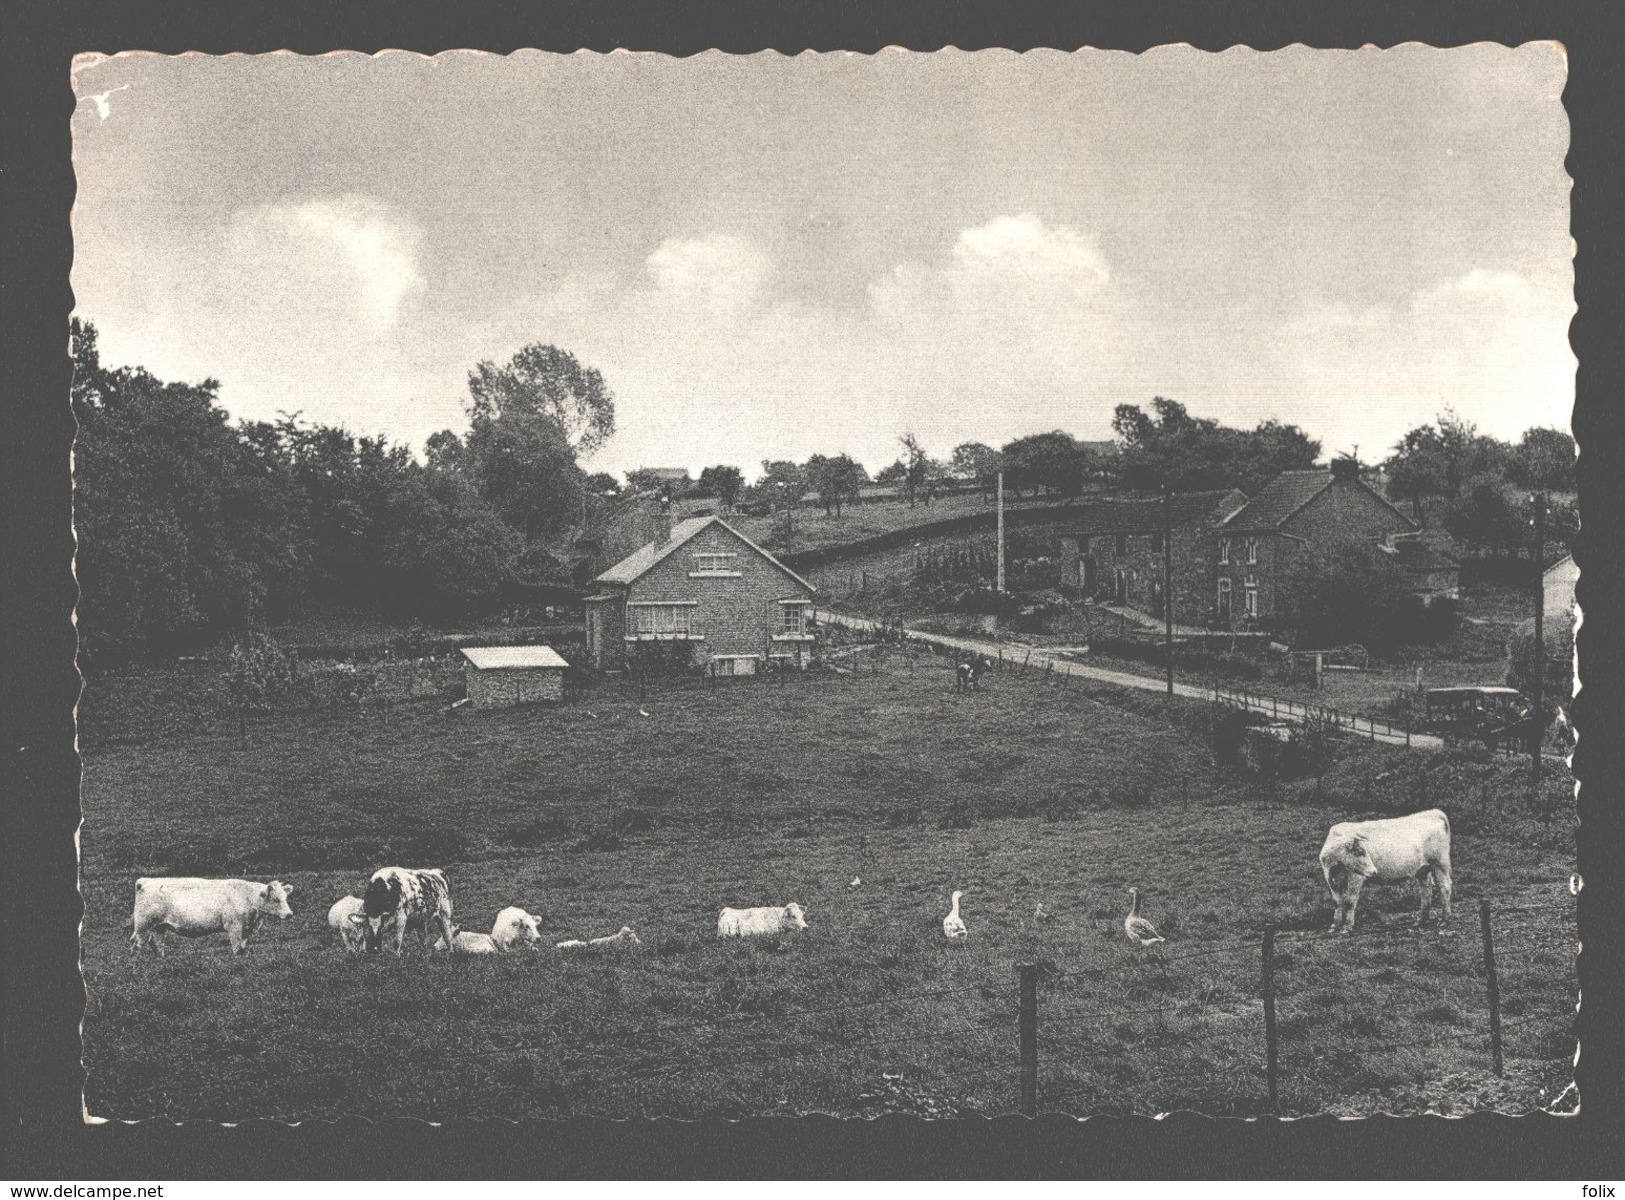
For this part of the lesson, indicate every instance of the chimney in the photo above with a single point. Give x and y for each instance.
(665, 517)
(1345, 468)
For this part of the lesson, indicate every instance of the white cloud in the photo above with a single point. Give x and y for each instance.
(350, 258)
(723, 273)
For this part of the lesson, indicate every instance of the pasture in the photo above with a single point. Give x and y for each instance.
(593, 815)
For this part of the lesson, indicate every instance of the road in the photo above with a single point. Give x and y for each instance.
(1034, 657)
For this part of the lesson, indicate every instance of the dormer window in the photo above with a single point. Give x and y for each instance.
(1224, 551)
(716, 564)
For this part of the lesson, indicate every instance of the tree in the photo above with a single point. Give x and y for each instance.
(602, 483)
(723, 482)
(1485, 518)
(782, 483)
(836, 480)
(1352, 594)
(1316, 743)
(544, 381)
(1417, 469)
(1052, 460)
(916, 466)
(893, 474)
(979, 462)
(1544, 460)
(1170, 447)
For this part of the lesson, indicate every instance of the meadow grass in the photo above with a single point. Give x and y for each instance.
(593, 815)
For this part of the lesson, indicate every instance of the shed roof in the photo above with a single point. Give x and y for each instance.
(634, 565)
(487, 658)
(1140, 515)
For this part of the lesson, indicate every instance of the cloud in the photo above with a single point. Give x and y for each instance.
(1492, 343)
(350, 257)
(724, 274)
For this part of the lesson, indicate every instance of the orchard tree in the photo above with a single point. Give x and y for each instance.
(723, 482)
(836, 480)
(916, 467)
(1544, 459)
(979, 462)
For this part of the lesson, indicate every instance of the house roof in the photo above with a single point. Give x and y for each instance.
(1116, 515)
(487, 658)
(638, 563)
(1561, 562)
(1285, 495)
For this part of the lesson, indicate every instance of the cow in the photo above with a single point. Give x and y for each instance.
(463, 942)
(753, 922)
(513, 927)
(412, 898)
(968, 675)
(198, 907)
(1388, 851)
(338, 919)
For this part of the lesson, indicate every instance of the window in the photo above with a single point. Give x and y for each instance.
(1224, 599)
(1121, 544)
(1224, 550)
(663, 620)
(1252, 550)
(792, 618)
(1250, 597)
(1156, 542)
(716, 563)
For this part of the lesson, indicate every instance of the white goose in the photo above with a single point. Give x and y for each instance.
(1137, 927)
(953, 925)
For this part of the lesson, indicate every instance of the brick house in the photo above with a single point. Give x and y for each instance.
(1262, 553)
(706, 584)
(1114, 550)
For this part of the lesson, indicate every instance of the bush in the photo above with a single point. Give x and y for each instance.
(260, 674)
(1227, 734)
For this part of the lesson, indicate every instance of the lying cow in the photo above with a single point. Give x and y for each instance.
(968, 675)
(513, 927)
(412, 898)
(753, 922)
(1390, 851)
(198, 907)
(349, 931)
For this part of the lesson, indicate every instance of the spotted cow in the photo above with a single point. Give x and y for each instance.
(413, 899)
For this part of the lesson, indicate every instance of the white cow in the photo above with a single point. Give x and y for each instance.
(198, 907)
(412, 898)
(1390, 851)
(752, 922)
(513, 927)
(338, 919)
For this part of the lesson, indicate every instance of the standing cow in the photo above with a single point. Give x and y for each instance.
(199, 907)
(1390, 851)
(413, 899)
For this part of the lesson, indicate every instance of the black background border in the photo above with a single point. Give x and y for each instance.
(45, 1138)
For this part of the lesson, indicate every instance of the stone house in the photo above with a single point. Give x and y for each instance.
(707, 585)
(1557, 587)
(1113, 551)
(1263, 553)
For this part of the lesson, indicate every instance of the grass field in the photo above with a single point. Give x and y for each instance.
(594, 815)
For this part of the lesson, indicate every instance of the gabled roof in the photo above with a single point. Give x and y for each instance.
(1563, 561)
(639, 562)
(1145, 515)
(1285, 495)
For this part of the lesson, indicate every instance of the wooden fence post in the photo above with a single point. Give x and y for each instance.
(1029, 1038)
(1271, 1052)
(1494, 987)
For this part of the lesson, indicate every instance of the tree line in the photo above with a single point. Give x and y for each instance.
(191, 527)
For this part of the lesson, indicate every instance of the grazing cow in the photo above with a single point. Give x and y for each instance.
(198, 907)
(412, 898)
(1390, 851)
(968, 675)
(338, 919)
(752, 922)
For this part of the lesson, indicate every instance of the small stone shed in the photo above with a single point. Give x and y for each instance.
(504, 675)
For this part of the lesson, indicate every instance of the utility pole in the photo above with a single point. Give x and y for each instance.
(1537, 721)
(1168, 583)
(1001, 532)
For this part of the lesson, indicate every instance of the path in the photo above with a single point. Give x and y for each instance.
(1043, 660)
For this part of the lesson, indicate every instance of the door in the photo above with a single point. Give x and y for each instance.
(1086, 568)
(1224, 601)
(1121, 593)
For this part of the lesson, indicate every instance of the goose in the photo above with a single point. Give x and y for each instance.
(856, 882)
(953, 926)
(1137, 927)
(1040, 914)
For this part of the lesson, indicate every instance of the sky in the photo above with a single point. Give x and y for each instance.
(770, 257)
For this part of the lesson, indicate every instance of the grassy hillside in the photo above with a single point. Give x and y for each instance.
(595, 815)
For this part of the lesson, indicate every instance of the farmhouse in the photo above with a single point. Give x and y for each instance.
(1114, 551)
(706, 586)
(1264, 552)
(498, 676)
